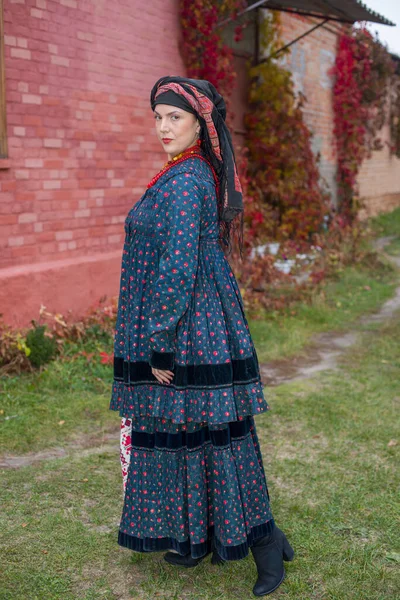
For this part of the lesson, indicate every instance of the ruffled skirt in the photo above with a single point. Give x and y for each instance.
(187, 487)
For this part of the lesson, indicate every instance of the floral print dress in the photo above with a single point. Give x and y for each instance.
(191, 463)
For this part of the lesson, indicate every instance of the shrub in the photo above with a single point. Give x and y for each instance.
(55, 334)
(42, 345)
(14, 351)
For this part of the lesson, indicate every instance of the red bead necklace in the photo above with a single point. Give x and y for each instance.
(179, 158)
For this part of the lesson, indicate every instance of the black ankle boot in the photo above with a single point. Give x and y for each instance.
(269, 553)
(188, 562)
(182, 561)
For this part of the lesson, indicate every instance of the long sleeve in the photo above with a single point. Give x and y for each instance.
(179, 216)
(120, 337)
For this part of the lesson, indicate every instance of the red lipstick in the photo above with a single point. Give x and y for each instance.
(166, 140)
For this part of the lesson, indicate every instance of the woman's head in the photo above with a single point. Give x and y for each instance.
(177, 129)
(186, 109)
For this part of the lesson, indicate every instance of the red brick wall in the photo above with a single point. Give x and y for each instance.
(81, 143)
(379, 180)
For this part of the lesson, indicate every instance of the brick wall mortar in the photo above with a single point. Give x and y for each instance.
(80, 129)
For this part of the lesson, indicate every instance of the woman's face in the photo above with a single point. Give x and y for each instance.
(176, 128)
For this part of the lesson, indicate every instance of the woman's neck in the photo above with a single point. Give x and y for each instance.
(190, 149)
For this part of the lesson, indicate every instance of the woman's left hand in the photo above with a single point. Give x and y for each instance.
(162, 376)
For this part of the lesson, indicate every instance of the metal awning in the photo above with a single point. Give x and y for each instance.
(345, 11)
(342, 11)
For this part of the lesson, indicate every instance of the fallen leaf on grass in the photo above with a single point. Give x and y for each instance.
(392, 443)
(24, 524)
(106, 359)
(367, 287)
(45, 551)
(61, 422)
(85, 479)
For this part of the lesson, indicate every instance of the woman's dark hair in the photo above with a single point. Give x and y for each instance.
(226, 229)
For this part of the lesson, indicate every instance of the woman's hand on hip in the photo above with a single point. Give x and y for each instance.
(162, 376)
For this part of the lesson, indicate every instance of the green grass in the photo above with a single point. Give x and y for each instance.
(331, 467)
(335, 306)
(65, 401)
(387, 224)
(393, 247)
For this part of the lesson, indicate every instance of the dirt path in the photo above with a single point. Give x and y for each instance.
(322, 354)
(325, 348)
(109, 442)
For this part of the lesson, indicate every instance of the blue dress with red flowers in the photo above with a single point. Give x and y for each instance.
(191, 463)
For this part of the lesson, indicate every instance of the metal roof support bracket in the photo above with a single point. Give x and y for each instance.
(303, 35)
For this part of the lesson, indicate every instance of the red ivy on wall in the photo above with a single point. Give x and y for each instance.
(363, 71)
(285, 199)
(205, 54)
(279, 171)
(395, 116)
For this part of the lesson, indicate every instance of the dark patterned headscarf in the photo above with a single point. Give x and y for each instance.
(200, 97)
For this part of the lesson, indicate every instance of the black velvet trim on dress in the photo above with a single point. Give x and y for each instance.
(162, 360)
(196, 550)
(239, 371)
(175, 441)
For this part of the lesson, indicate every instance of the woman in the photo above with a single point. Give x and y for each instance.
(187, 381)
